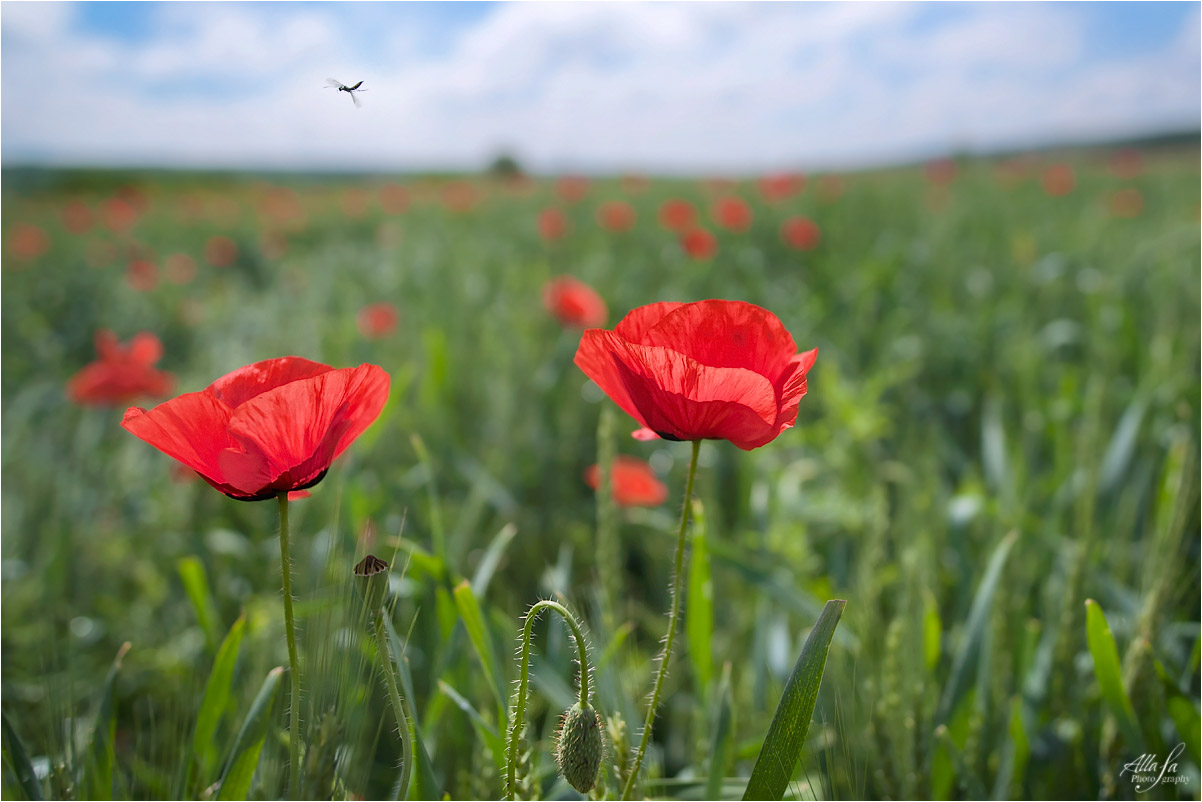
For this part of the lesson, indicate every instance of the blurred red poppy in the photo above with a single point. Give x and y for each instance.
(268, 428)
(616, 216)
(26, 241)
(119, 215)
(699, 244)
(801, 233)
(142, 275)
(1127, 163)
(677, 215)
(394, 199)
(781, 187)
(1058, 180)
(633, 481)
(1126, 203)
(941, 172)
(180, 268)
(552, 225)
(221, 251)
(460, 196)
(715, 370)
(122, 373)
(571, 188)
(378, 320)
(732, 213)
(77, 217)
(574, 303)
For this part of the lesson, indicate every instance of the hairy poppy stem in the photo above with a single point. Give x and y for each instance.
(673, 615)
(398, 706)
(519, 708)
(293, 662)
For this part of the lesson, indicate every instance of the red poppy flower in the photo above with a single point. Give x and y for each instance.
(77, 217)
(677, 215)
(616, 216)
(1126, 163)
(394, 199)
(699, 244)
(460, 196)
(572, 188)
(714, 370)
(142, 275)
(220, 251)
(267, 428)
(552, 225)
(781, 187)
(633, 481)
(1058, 180)
(801, 233)
(27, 241)
(378, 320)
(941, 172)
(122, 373)
(119, 215)
(574, 303)
(732, 213)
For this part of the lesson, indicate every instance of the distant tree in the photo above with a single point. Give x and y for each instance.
(505, 166)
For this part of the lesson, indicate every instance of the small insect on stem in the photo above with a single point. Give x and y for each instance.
(334, 83)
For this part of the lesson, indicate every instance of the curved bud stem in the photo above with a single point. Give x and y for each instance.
(519, 712)
(673, 615)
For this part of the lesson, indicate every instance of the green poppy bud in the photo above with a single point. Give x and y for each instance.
(372, 573)
(579, 747)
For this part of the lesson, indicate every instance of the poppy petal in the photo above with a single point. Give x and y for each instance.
(637, 322)
(145, 349)
(243, 384)
(191, 428)
(594, 357)
(726, 334)
(644, 434)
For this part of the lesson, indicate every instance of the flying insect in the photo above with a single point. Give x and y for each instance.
(333, 83)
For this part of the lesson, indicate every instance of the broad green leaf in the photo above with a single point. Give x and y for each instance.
(932, 631)
(974, 629)
(477, 632)
(19, 758)
(1109, 673)
(722, 742)
(248, 745)
(98, 768)
(196, 585)
(216, 696)
(699, 617)
(787, 733)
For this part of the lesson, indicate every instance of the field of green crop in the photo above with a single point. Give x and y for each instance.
(1002, 425)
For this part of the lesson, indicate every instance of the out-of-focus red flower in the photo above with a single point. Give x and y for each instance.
(633, 482)
(393, 199)
(119, 215)
(268, 428)
(781, 187)
(142, 275)
(719, 186)
(941, 172)
(1127, 202)
(1127, 163)
(378, 320)
(460, 196)
(830, 188)
(801, 233)
(122, 373)
(732, 213)
(1058, 180)
(571, 188)
(27, 241)
(281, 207)
(77, 217)
(180, 268)
(221, 251)
(713, 370)
(574, 303)
(699, 244)
(677, 215)
(297, 495)
(635, 184)
(552, 224)
(354, 203)
(616, 216)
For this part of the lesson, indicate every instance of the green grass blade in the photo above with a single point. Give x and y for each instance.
(196, 585)
(787, 733)
(423, 783)
(98, 768)
(240, 770)
(486, 731)
(974, 629)
(492, 557)
(26, 776)
(477, 632)
(699, 618)
(1183, 711)
(722, 742)
(1109, 672)
(204, 756)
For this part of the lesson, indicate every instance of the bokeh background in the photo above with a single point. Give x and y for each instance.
(985, 216)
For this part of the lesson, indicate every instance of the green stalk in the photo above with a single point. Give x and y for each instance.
(398, 707)
(293, 662)
(519, 709)
(673, 616)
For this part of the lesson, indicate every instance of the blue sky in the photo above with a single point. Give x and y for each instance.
(594, 87)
